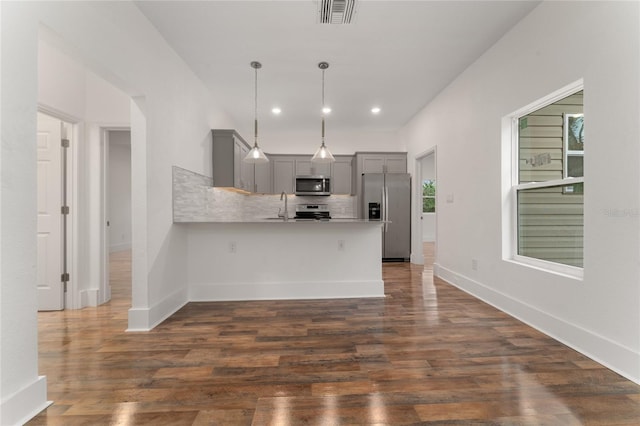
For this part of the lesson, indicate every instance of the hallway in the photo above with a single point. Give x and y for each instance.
(426, 353)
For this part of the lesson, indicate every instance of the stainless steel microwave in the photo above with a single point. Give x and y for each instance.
(313, 185)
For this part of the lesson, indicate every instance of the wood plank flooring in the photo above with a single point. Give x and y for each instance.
(426, 354)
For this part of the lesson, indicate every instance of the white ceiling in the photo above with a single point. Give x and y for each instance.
(396, 54)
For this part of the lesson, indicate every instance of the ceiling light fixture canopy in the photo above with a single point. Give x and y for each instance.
(323, 155)
(255, 156)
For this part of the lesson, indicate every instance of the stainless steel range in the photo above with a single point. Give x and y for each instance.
(313, 211)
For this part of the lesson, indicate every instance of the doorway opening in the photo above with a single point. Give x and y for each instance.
(426, 208)
(118, 234)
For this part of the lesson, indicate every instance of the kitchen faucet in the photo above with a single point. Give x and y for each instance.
(284, 215)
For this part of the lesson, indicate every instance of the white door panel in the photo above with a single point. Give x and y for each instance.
(49, 250)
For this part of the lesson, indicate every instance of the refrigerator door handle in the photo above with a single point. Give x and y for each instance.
(385, 203)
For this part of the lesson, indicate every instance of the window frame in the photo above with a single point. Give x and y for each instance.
(566, 152)
(513, 121)
(429, 196)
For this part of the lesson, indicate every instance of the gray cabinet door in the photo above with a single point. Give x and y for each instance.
(283, 175)
(373, 163)
(304, 167)
(341, 176)
(229, 149)
(246, 171)
(262, 178)
(237, 164)
(395, 163)
(384, 163)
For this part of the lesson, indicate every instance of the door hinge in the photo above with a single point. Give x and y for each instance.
(64, 209)
(64, 284)
(65, 143)
(64, 278)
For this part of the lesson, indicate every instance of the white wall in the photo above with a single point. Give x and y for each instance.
(119, 190)
(557, 44)
(428, 170)
(173, 111)
(22, 391)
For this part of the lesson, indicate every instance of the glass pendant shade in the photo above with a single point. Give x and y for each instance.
(323, 155)
(255, 156)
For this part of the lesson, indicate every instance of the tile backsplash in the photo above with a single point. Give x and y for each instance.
(196, 200)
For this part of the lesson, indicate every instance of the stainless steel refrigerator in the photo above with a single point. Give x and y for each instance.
(387, 197)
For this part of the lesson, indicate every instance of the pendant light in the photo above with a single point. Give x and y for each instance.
(323, 155)
(255, 156)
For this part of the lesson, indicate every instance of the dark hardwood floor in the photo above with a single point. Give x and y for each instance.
(427, 353)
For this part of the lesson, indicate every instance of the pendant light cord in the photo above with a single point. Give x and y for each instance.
(323, 106)
(255, 111)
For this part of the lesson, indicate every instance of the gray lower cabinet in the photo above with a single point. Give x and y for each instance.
(228, 168)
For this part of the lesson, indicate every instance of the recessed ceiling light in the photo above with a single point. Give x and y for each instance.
(375, 110)
(326, 110)
(276, 110)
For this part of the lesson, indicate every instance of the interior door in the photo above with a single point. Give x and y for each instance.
(49, 180)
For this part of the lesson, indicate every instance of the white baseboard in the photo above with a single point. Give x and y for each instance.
(89, 297)
(25, 404)
(417, 260)
(210, 292)
(623, 360)
(145, 319)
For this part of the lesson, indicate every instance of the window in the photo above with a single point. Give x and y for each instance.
(428, 196)
(549, 183)
(573, 138)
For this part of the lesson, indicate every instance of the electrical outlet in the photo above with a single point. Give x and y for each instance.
(474, 264)
(340, 245)
(233, 247)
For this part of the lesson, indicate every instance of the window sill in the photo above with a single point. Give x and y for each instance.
(567, 271)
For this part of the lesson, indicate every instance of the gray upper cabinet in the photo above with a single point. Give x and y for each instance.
(279, 174)
(283, 173)
(244, 174)
(395, 163)
(371, 163)
(228, 168)
(262, 177)
(382, 162)
(341, 175)
(285, 168)
(304, 167)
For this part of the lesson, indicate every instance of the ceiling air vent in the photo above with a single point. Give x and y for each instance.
(337, 11)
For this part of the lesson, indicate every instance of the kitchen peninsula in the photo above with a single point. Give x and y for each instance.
(239, 250)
